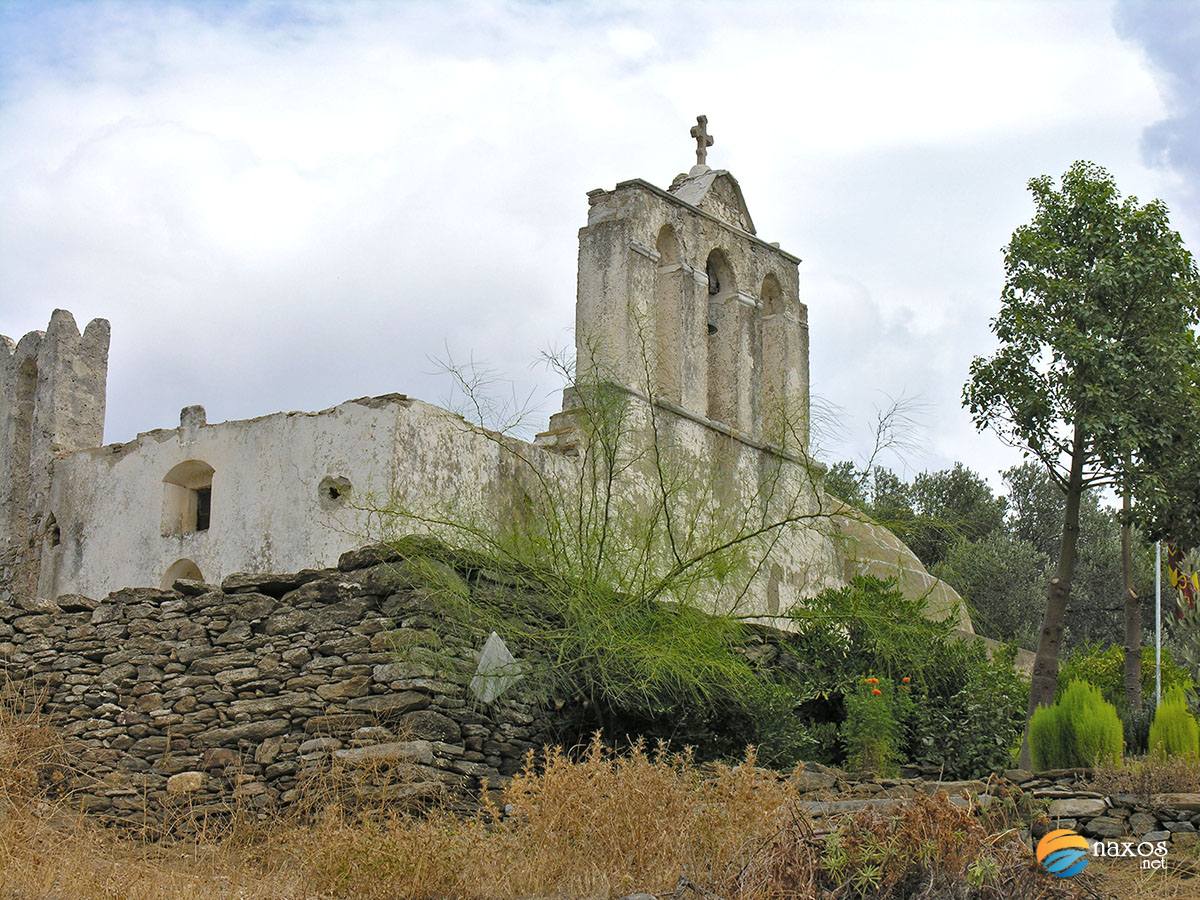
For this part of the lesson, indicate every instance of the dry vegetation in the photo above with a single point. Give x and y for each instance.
(593, 825)
(1176, 774)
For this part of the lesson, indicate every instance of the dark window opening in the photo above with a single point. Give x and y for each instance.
(203, 507)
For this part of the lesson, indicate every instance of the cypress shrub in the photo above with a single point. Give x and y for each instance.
(1081, 729)
(1174, 731)
(1050, 738)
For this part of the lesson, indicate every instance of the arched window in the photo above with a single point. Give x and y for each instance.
(187, 498)
(723, 338)
(772, 412)
(181, 568)
(668, 315)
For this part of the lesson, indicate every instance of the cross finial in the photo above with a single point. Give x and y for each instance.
(703, 139)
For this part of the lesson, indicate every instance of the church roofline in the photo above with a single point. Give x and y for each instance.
(667, 195)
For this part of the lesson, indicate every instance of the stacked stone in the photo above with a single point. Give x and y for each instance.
(212, 699)
(827, 794)
(1119, 817)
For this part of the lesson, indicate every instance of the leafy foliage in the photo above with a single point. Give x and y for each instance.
(962, 712)
(1174, 731)
(1002, 578)
(1099, 302)
(1082, 729)
(952, 505)
(975, 730)
(1103, 667)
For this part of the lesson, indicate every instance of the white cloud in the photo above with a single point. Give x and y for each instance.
(286, 206)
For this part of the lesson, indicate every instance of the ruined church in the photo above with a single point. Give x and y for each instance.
(680, 305)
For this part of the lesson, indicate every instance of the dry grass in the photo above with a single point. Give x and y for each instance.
(595, 825)
(1148, 776)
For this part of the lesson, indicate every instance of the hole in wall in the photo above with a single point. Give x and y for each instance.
(333, 492)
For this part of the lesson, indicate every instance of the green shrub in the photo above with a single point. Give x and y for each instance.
(966, 710)
(1050, 739)
(1174, 731)
(1105, 668)
(977, 729)
(871, 733)
(1081, 729)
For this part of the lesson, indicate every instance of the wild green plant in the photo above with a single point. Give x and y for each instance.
(1174, 731)
(1082, 729)
(871, 733)
(633, 570)
(1103, 666)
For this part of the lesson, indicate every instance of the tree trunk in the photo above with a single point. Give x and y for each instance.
(1133, 614)
(1045, 666)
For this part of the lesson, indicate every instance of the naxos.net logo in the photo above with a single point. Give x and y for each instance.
(1063, 852)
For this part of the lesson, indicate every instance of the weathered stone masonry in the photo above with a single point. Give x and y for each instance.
(205, 696)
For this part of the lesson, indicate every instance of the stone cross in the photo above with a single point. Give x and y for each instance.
(703, 139)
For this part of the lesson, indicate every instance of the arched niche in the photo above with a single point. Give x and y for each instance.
(181, 568)
(771, 296)
(51, 556)
(723, 338)
(668, 315)
(187, 498)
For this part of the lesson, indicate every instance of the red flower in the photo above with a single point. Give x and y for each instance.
(905, 680)
(876, 691)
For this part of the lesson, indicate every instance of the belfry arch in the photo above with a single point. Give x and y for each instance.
(724, 338)
(668, 316)
(772, 401)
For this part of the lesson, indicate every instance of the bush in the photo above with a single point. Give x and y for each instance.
(966, 710)
(1105, 668)
(1082, 729)
(871, 734)
(1174, 731)
(1003, 579)
(976, 730)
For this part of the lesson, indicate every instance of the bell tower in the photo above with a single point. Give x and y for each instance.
(681, 303)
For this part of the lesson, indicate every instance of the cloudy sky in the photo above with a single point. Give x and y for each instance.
(285, 205)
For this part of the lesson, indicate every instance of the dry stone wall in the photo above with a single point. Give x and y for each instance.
(1062, 798)
(214, 697)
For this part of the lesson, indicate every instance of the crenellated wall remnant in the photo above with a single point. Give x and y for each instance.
(52, 390)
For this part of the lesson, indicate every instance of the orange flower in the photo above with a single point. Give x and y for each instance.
(876, 691)
(871, 680)
(904, 680)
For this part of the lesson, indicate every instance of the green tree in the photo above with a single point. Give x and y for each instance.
(891, 500)
(1098, 304)
(846, 482)
(1036, 506)
(951, 505)
(999, 576)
